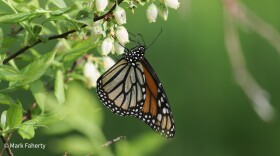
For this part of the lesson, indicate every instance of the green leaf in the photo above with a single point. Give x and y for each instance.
(59, 87)
(32, 39)
(3, 119)
(39, 93)
(59, 3)
(26, 131)
(8, 41)
(2, 55)
(44, 38)
(78, 50)
(82, 14)
(14, 116)
(44, 119)
(62, 11)
(13, 18)
(1, 37)
(55, 18)
(35, 70)
(5, 99)
(84, 17)
(72, 23)
(8, 73)
(37, 29)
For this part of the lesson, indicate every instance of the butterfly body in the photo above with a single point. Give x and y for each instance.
(132, 88)
(134, 55)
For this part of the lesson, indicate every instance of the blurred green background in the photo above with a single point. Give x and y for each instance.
(212, 114)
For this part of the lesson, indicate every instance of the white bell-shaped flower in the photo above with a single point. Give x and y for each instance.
(107, 46)
(91, 73)
(101, 5)
(120, 15)
(174, 4)
(108, 62)
(152, 13)
(163, 13)
(122, 35)
(119, 49)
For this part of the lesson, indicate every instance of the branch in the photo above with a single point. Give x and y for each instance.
(6, 146)
(76, 63)
(112, 141)
(243, 77)
(15, 32)
(63, 35)
(28, 114)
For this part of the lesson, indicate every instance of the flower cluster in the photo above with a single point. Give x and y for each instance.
(115, 45)
(162, 10)
(112, 35)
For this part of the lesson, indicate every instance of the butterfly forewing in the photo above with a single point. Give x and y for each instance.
(121, 88)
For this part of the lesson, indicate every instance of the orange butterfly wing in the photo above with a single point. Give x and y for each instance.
(156, 111)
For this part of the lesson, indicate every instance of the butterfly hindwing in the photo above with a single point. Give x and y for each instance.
(122, 88)
(156, 111)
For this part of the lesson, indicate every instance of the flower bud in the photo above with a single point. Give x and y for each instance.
(119, 49)
(174, 4)
(107, 46)
(152, 13)
(101, 5)
(163, 13)
(122, 35)
(120, 15)
(91, 74)
(108, 62)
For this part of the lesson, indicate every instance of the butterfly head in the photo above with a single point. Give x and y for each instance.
(135, 54)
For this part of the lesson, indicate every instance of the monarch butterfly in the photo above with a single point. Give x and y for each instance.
(132, 88)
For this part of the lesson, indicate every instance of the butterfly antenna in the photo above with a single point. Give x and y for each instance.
(134, 37)
(155, 39)
(126, 49)
(132, 34)
(142, 39)
(134, 41)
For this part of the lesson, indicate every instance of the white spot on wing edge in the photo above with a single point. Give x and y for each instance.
(159, 117)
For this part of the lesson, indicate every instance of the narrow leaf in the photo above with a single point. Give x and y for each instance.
(8, 73)
(39, 93)
(13, 18)
(62, 11)
(35, 70)
(44, 119)
(59, 87)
